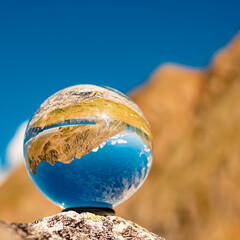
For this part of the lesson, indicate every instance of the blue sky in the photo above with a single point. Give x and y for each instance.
(49, 45)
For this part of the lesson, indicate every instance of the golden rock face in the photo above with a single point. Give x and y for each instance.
(194, 183)
(69, 143)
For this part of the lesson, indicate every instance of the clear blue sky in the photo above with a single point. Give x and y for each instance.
(49, 45)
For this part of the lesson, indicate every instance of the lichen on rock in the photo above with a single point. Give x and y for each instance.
(75, 226)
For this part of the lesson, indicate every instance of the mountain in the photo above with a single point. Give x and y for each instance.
(192, 189)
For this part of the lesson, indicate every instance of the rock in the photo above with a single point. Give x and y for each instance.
(72, 225)
(7, 232)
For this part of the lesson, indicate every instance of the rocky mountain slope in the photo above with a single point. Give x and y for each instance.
(192, 190)
(71, 142)
(195, 119)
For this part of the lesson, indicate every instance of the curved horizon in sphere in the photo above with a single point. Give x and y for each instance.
(88, 146)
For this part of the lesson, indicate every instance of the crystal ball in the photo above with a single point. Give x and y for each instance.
(88, 146)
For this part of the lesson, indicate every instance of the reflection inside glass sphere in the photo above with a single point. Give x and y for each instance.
(88, 146)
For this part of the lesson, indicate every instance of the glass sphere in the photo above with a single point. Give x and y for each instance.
(88, 146)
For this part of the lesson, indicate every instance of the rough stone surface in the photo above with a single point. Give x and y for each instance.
(71, 225)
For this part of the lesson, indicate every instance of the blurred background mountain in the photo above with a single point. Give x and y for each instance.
(192, 190)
